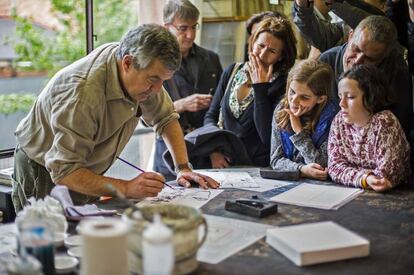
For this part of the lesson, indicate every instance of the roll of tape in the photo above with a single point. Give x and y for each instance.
(105, 249)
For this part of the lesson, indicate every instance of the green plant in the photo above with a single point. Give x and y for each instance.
(13, 103)
(111, 20)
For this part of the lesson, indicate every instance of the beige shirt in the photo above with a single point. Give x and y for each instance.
(83, 119)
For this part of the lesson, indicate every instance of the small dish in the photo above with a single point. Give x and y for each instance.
(65, 264)
(74, 240)
(75, 251)
(58, 238)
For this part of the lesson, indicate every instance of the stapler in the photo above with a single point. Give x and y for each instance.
(255, 207)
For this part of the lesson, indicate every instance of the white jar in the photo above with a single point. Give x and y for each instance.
(158, 251)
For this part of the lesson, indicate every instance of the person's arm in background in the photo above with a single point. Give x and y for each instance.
(264, 102)
(217, 62)
(353, 11)
(213, 112)
(400, 84)
(319, 33)
(218, 160)
(397, 12)
(193, 103)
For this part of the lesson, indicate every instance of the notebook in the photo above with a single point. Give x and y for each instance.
(313, 243)
(329, 197)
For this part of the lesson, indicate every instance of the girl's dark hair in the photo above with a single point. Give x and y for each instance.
(374, 86)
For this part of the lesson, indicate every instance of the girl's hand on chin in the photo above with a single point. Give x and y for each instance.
(295, 121)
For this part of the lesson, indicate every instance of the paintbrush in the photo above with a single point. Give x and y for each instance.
(139, 169)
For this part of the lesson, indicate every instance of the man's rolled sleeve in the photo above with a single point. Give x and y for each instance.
(74, 128)
(158, 111)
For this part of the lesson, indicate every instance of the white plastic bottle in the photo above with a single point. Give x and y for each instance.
(158, 251)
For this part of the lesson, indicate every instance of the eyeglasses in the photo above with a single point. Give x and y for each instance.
(184, 28)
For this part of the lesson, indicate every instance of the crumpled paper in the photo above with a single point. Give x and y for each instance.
(47, 210)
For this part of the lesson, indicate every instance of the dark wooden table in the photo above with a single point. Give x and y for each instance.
(386, 220)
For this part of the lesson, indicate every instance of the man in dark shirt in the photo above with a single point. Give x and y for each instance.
(192, 86)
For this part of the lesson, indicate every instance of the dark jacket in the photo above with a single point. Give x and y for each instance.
(254, 125)
(203, 77)
(396, 71)
(208, 139)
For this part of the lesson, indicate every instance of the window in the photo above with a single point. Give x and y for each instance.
(39, 37)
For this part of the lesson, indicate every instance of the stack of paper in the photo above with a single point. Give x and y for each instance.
(307, 244)
(5, 176)
(318, 196)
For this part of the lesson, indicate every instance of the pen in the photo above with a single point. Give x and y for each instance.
(139, 169)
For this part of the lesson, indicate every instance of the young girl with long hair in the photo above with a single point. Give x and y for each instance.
(302, 120)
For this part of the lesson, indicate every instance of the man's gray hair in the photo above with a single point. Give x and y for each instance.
(148, 42)
(380, 29)
(182, 9)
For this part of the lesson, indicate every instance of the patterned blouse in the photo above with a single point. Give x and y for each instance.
(380, 147)
(240, 78)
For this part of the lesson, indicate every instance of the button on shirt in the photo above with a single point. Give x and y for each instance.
(83, 118)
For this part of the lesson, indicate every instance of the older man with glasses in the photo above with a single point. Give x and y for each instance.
(193, 84)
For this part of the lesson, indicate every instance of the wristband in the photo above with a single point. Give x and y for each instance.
(183, 166)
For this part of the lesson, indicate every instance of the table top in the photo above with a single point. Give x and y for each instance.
(385, 219)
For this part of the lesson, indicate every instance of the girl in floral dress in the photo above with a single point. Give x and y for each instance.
(367, 147)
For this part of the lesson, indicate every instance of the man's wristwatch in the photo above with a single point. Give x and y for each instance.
(183, 166)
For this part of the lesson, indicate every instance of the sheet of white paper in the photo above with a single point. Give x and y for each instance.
(194, 197)
(252, 171)
(8, 237)
(267, 184)
(6, 173)
(226, 237)
(318, 196)
(231, 179)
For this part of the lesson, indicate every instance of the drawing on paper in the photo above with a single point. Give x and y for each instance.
(203, 195)
(194, 197)
(231, 179)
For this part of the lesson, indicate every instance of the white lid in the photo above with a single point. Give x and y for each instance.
(65, 264)
(157, 232)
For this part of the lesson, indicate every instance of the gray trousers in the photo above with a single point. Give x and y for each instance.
(30, 179)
